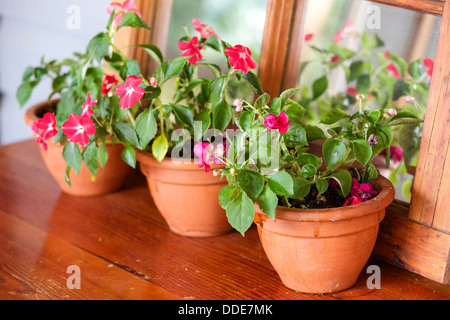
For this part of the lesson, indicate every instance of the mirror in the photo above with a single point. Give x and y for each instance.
(381, 52)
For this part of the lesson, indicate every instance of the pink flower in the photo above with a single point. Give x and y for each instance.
(409, 99)
(107, 84)
(344, 31)
(238, 104)
(192, 49)
(204, 30)
(240, 58)
(335, 59)
(78, 129)
(352, 200)
(87, 106)
(208, 153)
(430, 65)
(395, 153)
(45, 128)
(121, 9)
(130, 92)
(273, 122)
(351, 91)
(153, 82)
(390, 67)
(365, 191)
(308, 37)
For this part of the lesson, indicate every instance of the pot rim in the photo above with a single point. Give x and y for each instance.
(30, 115)
(381, 201)
(146, 158)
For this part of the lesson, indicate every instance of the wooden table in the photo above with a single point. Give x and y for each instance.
(125, 250)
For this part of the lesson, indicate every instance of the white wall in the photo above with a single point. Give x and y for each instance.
(30, 29)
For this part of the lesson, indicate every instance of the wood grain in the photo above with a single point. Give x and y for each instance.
(429, 204)
(126, 251)
(434, 7)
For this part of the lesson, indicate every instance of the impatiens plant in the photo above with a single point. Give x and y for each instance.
(88, 114)
(268, 159)
(387, 82)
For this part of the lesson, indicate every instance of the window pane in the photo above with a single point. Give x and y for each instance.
(234, 21)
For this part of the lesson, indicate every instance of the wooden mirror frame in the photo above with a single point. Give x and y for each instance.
(414, 236)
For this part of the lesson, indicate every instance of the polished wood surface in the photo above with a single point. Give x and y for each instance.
(125, 250)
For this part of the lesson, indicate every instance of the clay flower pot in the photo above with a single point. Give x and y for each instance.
(186, 196)
(108, 179)
(323, 250)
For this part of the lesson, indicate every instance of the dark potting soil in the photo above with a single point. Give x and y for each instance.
(328, 199)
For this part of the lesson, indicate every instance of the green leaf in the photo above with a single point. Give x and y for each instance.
(67, 176)
(102, 155)
(125, 132)
(146, 127)
(184, 114)
(130, 68)
(90, 157)
(251, 181)
(363, 83)
(240, 212)
(295, 136)
(268, 202)
(262, 100)
(225, 195)
(275, 106)
(333, 116)
(160, 147)
(222, 115)
(281, 183)
(98, 46)
(216, 88)
(295, 112)
(131, 19)
(205, 118)
(321, 185)
(356, 69)
(71, 153)
(308, 158)
(153, 51)
(401, 88)
(374, 116)
(129, 156)
(308, 170)
(254, 81)
(173, 67)
(302, 187)
(362, 150)
(333, 151)
(414, 69)
(314, 133)
(320, 86)
(384, 138)
(24, 93)
(151, 93)
(285, 95)
(345, 181)
(246, 120)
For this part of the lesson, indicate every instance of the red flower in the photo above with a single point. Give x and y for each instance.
(273, 122)
(45, 128)
(394, 71)
(204, 30)
(365, 191)
(107, 84)
(78, 129)
(130, 92)
(352, 200)
(192, 49)
(430, 65)
(87, 106)
(308, 37)
(121, 9)
(240, 58)
(335, 59)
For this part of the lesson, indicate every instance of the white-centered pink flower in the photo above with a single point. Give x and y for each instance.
(45, 128)
(87, 106)
(204, 30)
(130, 92)
(78, 129)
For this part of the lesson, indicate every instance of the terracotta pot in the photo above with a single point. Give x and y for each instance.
(323, 250)
(186, 196)
(108, 179)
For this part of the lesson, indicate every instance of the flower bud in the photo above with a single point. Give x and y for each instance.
(392, 112)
